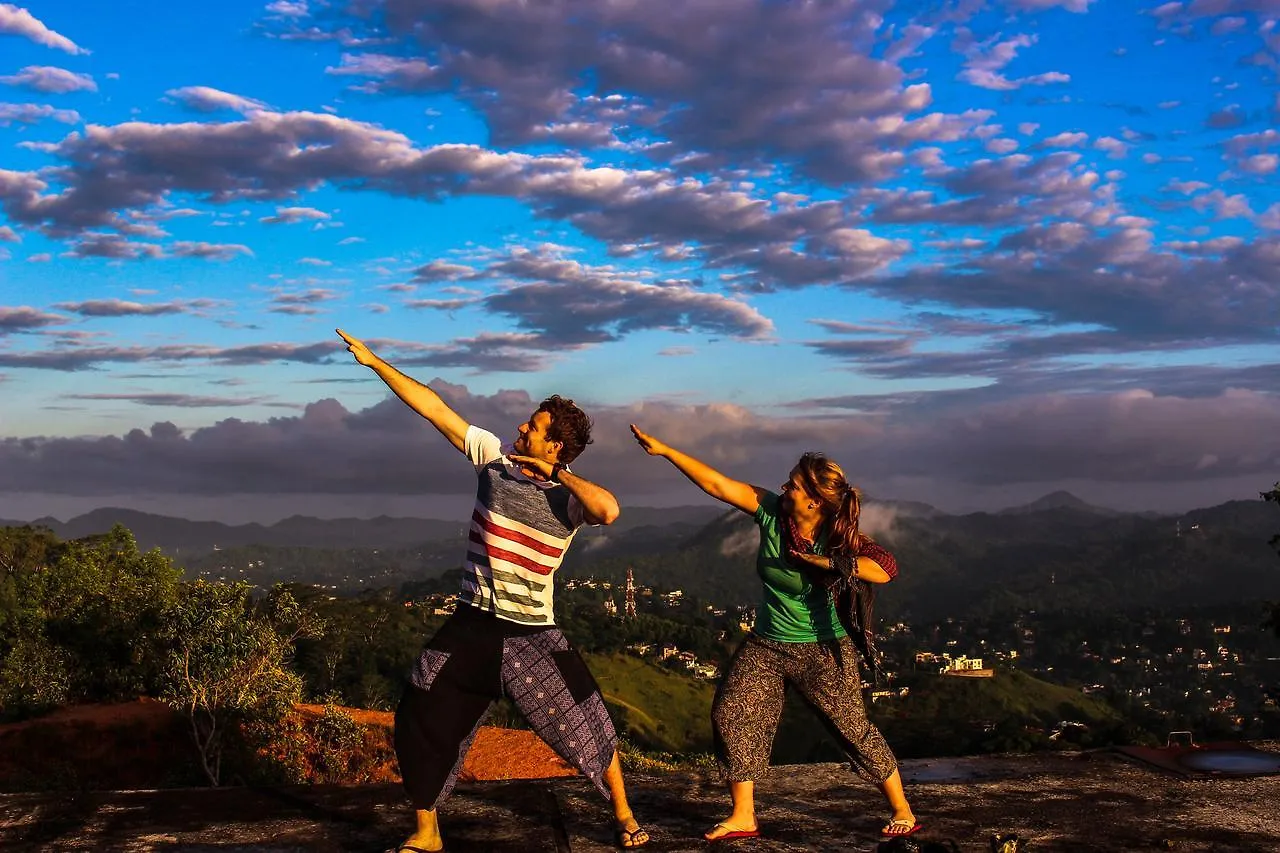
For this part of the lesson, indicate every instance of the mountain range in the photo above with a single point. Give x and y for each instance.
(1055, 552)
(181, 537)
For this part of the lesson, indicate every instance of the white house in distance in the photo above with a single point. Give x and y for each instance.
(965, 667)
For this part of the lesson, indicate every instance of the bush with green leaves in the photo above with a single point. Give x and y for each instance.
(228, 661)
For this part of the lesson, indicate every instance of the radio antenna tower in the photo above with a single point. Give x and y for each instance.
(630, 611)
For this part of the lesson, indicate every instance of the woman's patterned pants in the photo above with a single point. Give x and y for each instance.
(749, 701)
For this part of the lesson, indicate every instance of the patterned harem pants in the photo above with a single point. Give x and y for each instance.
(472, 661)
(749, 701)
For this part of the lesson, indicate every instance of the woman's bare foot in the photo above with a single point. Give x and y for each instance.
(902, 823)
(732, 828)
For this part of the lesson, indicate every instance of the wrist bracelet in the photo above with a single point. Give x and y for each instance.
(845, 564)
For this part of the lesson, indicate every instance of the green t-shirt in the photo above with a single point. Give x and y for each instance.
(794, 610)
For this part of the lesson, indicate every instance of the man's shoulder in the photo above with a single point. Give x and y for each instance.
(481, 446)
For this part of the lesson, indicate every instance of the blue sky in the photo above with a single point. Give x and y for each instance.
(975, 250)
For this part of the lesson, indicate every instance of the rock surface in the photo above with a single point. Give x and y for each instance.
(1097, 801)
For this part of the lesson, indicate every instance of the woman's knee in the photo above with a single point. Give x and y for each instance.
(723, 716)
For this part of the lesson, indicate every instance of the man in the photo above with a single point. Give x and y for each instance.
(502, 638)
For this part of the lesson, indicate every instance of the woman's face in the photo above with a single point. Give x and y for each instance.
(794, 493)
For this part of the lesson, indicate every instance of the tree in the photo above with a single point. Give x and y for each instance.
(1274, 622)
(33, 674)
(79, 620)
(105, 602)
(228, 661)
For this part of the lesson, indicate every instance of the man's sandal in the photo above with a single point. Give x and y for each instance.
(626, 838)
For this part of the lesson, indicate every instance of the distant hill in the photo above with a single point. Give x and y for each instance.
(1058, 500)
(180, 537)
(918, 509)
(982, 563)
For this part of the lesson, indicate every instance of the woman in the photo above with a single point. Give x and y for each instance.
(807, 532)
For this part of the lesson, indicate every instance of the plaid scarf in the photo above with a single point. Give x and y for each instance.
(855, 599)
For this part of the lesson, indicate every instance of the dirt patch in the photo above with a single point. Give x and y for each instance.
(145, 744)
(140, 744)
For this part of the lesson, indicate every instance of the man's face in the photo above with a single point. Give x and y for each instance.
(533, 440)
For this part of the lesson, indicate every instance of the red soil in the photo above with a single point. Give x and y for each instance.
(145, 744)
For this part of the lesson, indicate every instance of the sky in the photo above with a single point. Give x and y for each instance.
(974, 250)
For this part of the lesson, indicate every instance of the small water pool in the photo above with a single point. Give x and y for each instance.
(1242, 762)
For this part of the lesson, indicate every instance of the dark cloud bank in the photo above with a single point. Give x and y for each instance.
(1124, 444)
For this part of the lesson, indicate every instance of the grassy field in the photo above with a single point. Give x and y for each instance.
(663, 710)
(655, 707)
(1013, 692)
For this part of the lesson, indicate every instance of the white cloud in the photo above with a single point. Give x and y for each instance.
(209, 251)
(290, 215)
(985, 60)
(1077, 6)
(18, 21)
(1186, 187)
(289, 8)
(33, 113)
(1067, 140)
(207, 100)
(1115, 149)
(45, 78)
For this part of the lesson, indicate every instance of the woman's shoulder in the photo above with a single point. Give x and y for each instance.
(768, 503)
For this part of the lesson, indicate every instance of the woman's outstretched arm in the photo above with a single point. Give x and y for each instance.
(735, 493)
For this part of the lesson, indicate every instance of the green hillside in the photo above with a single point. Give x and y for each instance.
(663, 710)
(1010, 712)
(1009, 693)
(654, 707)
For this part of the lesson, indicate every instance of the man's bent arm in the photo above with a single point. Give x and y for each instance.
(598, 503)
(415, 395)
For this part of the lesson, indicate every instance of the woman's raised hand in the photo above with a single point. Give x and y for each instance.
(357, 347)
(648, 443)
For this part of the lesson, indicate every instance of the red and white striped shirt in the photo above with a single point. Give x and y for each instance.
(520, 530)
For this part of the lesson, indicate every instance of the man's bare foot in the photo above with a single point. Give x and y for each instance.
(731, 828)
(628, 833)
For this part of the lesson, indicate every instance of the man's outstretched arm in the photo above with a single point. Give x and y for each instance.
(416, 396)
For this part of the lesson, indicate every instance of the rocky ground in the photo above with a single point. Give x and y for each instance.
(1098, 801)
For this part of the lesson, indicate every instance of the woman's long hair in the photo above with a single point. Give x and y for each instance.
(841, 502)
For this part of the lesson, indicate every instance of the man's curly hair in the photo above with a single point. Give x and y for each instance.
(569, 425)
